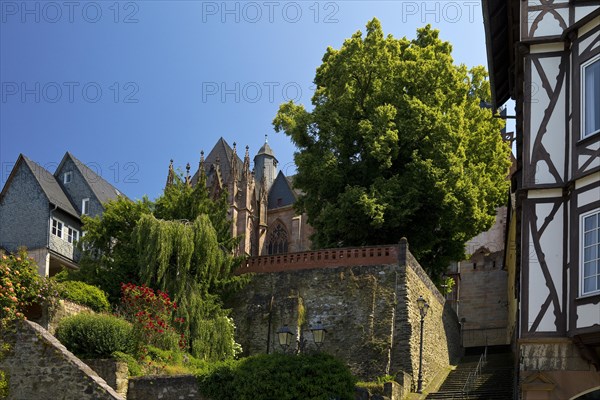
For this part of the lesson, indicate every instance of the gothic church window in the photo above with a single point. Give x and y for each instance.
(278, 240)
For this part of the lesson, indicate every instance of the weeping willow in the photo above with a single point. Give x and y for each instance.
(186, 260)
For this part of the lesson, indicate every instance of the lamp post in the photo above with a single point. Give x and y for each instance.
(423, 307)
(285, 335)
(318, 332)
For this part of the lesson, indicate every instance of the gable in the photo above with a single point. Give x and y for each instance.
(101, 189)
(48, 185)
(281, 193)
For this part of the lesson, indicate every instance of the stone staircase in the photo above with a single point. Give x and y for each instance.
(495, 382)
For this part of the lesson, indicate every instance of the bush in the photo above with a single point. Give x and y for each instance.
(19, 284)
(135, 369)
(96, 335)
(84, 294)
(279, 377)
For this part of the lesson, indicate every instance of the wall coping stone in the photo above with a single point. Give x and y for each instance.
(72, 359)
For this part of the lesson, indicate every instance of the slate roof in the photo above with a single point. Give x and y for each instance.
(224, 153)
(50, 186)
(103, 190)
(281, 193)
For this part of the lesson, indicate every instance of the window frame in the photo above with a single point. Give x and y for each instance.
(57, 228)
(85, 206)
(581, 244)
(72, 234)
(583, 67)
(67, 177)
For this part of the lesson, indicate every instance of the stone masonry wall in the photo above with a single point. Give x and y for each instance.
(65, 308)
(39, 367)
(370, 313)
(115, 373)
(164, 387)
(441, 331)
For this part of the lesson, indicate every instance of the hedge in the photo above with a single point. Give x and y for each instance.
(96, 335)
(84, 294)
(279, 377)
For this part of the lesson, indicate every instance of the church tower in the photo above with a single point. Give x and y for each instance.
(265, 163)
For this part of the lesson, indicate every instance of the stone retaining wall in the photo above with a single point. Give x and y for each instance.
(39, 367)
(370, 312)
(164, 388)
(115, 373)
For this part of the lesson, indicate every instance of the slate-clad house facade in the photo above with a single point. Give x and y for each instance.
(546, 56)
(42, 211)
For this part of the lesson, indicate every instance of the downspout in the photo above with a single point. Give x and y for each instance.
(50, 212)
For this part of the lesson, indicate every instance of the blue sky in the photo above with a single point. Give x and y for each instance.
(127, 85)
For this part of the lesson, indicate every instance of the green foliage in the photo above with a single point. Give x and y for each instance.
(134, 367)
(4, 384)
(109, 255)
(397, 145)
(19, 284)
(185, 260)
(279, 377)
(84, 294)
(447, 285)
(96, 335)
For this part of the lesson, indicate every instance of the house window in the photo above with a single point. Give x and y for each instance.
(590, 252)
(278, 240)
(57, 228)
(67, 177)
(72, 235)
(591, 97)
(85, 206)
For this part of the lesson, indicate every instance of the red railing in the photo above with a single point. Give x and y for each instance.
(327, 258)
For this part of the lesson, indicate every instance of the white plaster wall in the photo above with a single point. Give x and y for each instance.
(588, 315)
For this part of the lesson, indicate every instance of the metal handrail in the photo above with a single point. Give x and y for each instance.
(473, 375)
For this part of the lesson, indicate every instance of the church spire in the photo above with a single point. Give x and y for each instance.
(188, 178)
(170, 175)
(233, 166)
(246, 170)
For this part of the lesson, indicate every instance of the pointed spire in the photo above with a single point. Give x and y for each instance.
(233, 166)
(188, 178)
(246, 170)
(201, 168)
(170, 175)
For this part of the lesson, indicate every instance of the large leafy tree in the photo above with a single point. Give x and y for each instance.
(397, 145)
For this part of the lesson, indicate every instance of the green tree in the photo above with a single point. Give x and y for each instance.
(108, 252)
(185, 258)
(397, 145)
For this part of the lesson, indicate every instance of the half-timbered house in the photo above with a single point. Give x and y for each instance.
(545, 55)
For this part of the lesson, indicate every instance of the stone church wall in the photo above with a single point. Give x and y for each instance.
(370, 313)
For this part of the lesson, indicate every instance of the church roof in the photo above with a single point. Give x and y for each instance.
(224, 153)
(281, 193)
(266, 149)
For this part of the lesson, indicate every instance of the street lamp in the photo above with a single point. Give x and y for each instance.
(318, 332)
(285, 335)
(423, 307)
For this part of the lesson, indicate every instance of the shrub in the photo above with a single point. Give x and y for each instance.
(19, 283)
(281, 377)
(96, 335)
(84, 294)
(135, 369)
(152, 314)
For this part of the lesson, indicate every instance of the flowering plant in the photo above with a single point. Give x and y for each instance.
(153, 315)
(19, 283)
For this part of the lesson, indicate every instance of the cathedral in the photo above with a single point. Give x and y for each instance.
(261, 199)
